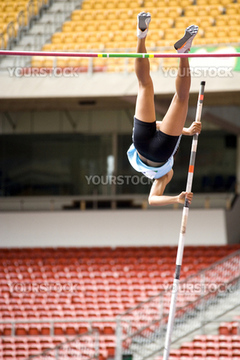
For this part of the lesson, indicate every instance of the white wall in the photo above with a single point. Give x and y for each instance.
(110, 228)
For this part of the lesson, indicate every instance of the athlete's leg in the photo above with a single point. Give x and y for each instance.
(145, 108)
(174, 120)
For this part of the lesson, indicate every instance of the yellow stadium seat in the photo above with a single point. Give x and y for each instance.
(2, 26)
(78, 15)
(133, 4)
(173, 12)
(234, 31)
(195, 10)
(11, 16)
(111, 4)
(234, 40)
(10, 7)
(122, 4)
(47, 47)
(99, 5)
(115, 45)
(155, 3)
(185, 3)
(49, 61)
(163, 43)
(202, 2)
(90, 26)
(37, 61)
(109, 15)
(80, 38)
(80, 46)
(61, 62)
(130, 35)
(162, 23)
(183, 22)
(58, 38)
(211, 32)
(87, 5)
(173, 34)
(134, 12)
(80, 26)
(190, 11)
(91, 36)
(215, 10)
(115, 25)
(69, 38)
(118, 36)
(221, 20)
(104, 25)
(68, 26)
(130, 24)
(205, 21)
(119, 67)
(123, 14)
(224, 2)
(222, 32)
(214, 2)
(74, 62)
(173, 3)
(155, 35)
(2, 7)
(98, 46)
(130, 45)
(68, 46)
(106, 37)
(233, 9)
(233, 19)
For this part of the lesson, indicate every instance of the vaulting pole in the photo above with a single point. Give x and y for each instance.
(183, 228)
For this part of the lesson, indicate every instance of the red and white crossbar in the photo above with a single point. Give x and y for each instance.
(115, 55)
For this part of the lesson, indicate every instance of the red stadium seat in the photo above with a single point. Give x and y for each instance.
(21, 329)
(225, 329)
(72, 329)
(60, 329)
(109, 328)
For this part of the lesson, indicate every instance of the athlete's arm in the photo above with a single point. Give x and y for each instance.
(195, 128)
(156, 197)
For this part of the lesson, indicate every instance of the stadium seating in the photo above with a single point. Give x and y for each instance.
(111, 26)
(87, 283)
(16, 16)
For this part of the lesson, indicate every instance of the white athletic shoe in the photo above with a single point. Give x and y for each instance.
(184, 44)
(143, 20)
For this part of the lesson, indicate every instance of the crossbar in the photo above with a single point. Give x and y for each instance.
(116, 55)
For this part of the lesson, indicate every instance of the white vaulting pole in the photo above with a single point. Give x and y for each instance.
(183, 229)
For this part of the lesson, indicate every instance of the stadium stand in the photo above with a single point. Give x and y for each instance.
(17, 16)
(66, 284)
(88, 31)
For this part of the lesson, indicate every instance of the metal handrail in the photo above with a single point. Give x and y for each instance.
(182, 312)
